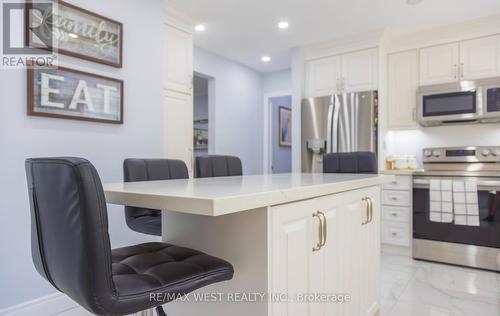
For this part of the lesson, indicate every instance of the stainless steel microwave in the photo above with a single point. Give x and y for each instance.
(462, 102)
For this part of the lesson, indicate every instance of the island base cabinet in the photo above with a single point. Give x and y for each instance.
(330, 246)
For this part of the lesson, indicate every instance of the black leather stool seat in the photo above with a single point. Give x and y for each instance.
(148, 224)
(161, 267)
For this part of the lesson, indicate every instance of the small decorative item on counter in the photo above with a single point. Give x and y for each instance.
(389, 161)
(401, 162)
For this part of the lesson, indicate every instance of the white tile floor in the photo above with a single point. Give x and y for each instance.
(416, 288)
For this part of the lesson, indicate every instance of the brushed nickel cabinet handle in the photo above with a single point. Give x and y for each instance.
(320, 233)
(367, 212)
(370, 203)
(324, 228)
(455, 71)
(462, 70)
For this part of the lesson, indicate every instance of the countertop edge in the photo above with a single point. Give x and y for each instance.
(241, 203)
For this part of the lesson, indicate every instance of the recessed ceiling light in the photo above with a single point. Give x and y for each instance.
(283, 25)
(413, 2)
(200, 28)
(266, 59)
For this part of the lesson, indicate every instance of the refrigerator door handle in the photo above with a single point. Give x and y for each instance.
(333, 133)
(329, 144)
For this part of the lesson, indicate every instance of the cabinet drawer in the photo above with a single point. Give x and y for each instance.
(396, 213)
(396, 198)
(396, 233)
(401, 183)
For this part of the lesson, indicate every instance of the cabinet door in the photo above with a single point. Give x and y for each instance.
(360, 71)
(179, 128)
(179, 60)
(351, 255)
(439, 64)
(291, 256)
(402, 89)
(370, 258)
(322, 76)
(341, 255)
(479, 58)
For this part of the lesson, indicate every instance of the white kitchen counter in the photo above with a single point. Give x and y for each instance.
(225, 195)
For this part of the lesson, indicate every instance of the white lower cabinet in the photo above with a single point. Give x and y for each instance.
(397, 211)
(331, 246)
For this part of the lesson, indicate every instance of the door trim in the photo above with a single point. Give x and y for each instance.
(267, 144)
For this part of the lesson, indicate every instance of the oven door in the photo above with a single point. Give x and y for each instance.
(485, 235)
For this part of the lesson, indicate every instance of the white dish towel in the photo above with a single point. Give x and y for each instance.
(441, 201)
(465, 202)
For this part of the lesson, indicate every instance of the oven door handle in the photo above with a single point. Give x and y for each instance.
(491, 184)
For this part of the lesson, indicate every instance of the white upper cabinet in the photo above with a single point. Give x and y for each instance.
(480, 58)
(402, 89)
(323, 76)
(179, 60)
(351, 72)
(360, 71)
(439, 64)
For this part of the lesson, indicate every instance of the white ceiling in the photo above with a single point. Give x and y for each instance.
(245, 30)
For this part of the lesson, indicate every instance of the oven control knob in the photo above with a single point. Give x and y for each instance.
(496, 152)
(436, 153)
(485, 152)
(428, 153)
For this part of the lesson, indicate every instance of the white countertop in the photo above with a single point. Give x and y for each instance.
(220, 196)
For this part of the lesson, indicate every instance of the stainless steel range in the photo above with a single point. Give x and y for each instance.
(461, 242)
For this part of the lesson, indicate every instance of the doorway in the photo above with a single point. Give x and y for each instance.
(202, 136)
(279, 110)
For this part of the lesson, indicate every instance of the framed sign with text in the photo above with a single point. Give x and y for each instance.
(72, 94)
(77, 32)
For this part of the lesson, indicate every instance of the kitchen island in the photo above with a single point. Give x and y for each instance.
(300, 244)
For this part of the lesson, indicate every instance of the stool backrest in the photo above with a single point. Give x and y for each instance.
(354, 162)
(69, 229)
(218, 166)
(151, 170)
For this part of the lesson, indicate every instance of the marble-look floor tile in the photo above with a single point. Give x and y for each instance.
(386, 306)
(394, 280)
(421, 288)
(422, 292)
(460, 282)
(413, 309)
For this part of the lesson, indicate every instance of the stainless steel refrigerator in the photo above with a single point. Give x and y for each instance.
(338, 123)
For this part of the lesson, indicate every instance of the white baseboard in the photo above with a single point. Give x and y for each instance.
(396, 250)
(51, 305)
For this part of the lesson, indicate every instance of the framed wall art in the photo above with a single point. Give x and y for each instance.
(77, 32)
(285, 127)
(72, 94)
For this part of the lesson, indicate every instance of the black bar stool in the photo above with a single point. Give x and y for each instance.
(71, 247)
(353, 162)
(145, 220)
(218, 166)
